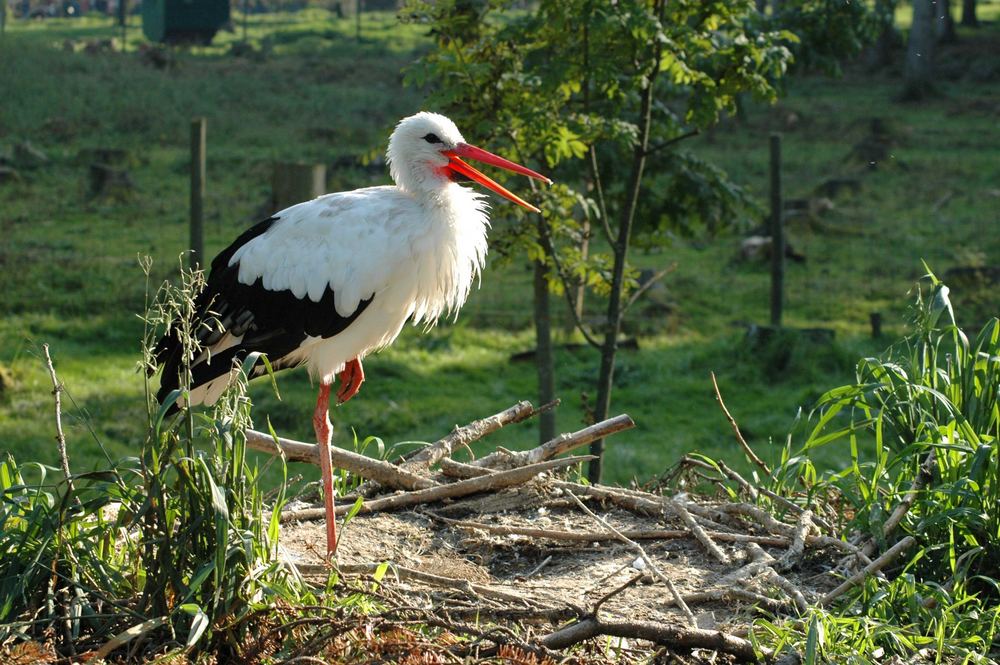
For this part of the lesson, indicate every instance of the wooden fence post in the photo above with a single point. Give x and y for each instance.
(199, 128)
(295, 182)
(777, 234)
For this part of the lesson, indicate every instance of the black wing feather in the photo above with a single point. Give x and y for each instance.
(270, 322)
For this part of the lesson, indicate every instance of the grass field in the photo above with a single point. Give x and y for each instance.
(69, 274)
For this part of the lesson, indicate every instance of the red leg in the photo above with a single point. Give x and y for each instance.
(350, 380)
(324, 437)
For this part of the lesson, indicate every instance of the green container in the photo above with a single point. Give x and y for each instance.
(183, 21)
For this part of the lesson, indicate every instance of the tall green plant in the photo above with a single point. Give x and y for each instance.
(178, 539)
(921, 430)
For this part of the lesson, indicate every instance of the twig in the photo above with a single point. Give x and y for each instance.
(924, 477)
(733, 592)
(617, 590)
(493, 481)
(402, 572)
(636, 502)
(648, 284)
(736, 429)
(296, 451)
(597, 536)
(878, 564)
(642, 554)
(665, 634)
(793, 591)
(670, 142)
(568, 289)
(557, 446)
(534, 571)
(60, 437)
(462, 436)
(595, 173)
(698, 532)
(794, 553)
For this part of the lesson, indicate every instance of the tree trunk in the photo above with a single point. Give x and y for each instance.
(918, 70)
(944, 24)
(609, 350)
(969, 14)
(880, 53)
(544, 360)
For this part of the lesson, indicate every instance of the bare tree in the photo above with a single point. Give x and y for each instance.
(919, 67)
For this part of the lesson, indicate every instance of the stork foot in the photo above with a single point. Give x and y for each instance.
(351, 379)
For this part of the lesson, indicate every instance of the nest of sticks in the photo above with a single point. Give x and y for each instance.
(518, 564)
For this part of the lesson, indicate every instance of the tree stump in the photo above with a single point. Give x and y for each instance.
(295, 182)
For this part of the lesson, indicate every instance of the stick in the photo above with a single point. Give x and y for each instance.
(665, 634)
(642, 553)
(367, 467)
(731, 593)
(463, 436)
(632, 501)
(402, 572)
(60, 437)
(794, 553)
(558, 445)
(736, 429)
(698, 532)
(597, 536)
(878, 564)
(493, 481)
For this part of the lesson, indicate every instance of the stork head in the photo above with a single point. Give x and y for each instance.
(425, 155)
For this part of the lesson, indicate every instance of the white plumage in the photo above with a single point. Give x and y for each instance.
(326, 282)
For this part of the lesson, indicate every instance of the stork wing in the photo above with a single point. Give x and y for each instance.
(309, 271)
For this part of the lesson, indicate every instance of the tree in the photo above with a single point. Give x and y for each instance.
(944, 25)
(918, 72)
(969, 14)
(598, 91)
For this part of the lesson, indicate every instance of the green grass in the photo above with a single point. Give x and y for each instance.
(69, 276)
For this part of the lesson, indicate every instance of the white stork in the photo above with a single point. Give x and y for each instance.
(326, 282)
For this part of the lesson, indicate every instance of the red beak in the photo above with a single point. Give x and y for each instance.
(457, 165)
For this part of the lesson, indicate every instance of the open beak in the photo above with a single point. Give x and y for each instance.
(456, 165)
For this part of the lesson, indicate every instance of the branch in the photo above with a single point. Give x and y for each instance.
(60, 437)
(598, 536)
(366, 467)
(670, 142)
(645, 286)
(567, 288)
(493, 481)
(665, 634)
(595, 173)
(462, 436)
(736, 429)
(878, 564)
(558, 445)
(642, 554)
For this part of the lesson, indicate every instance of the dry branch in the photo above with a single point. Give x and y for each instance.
(734, 593)
(463, 436)
(736, 430)
(698, 532)
(667, 635)
(598, 536)
(367, 467)
(557, 446)
(493, 481)
(642, 554)
(60, 437)
(878, 564)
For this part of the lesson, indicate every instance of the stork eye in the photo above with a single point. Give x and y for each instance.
(432, 138)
